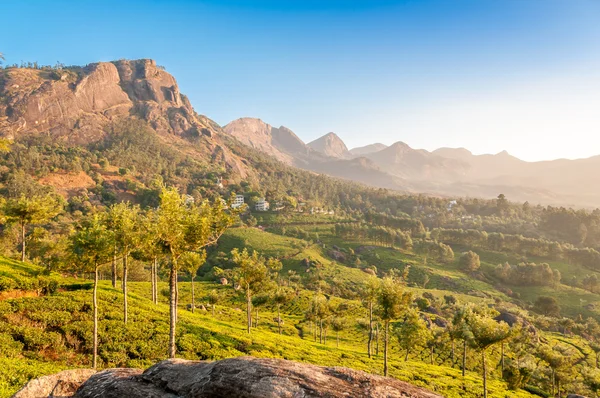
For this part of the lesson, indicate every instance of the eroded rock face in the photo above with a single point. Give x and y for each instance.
(244, 377)
(75, 104)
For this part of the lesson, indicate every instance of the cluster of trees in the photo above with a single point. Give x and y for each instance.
(406, 223)
(528, 274)
(178, 230)
(519, 244)
(432, 249)
(387, 302)
(379, 235)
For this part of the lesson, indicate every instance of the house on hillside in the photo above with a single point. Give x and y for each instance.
(189, 200)
(238, 201)
(451, 205)
(261, 205)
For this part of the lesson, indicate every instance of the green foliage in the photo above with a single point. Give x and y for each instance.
(547, 306)
(469, 261)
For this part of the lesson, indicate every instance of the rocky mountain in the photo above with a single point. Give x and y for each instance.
(76, 105)
(367, 149)
(244, 377)
(446, 171)
(280, 143)
(331, 145)
(285, 146)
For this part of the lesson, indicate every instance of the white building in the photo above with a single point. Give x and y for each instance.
(451, 204)
(239, 200)
(261, 205)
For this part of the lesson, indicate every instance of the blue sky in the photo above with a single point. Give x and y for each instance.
(489, 75)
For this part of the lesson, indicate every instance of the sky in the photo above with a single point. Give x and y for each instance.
(488, 75)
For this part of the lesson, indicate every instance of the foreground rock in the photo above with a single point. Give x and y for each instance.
(63, 384)
(243, 377)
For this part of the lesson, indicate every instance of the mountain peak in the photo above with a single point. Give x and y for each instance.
(331, 145)
(367, 149)
(400, 146)
(453, 153)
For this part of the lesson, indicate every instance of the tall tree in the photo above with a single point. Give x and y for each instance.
(469, 261)
(282, 296)
(411, 332)
(92, 246)
(191, 263)
(392, 301)
(125, 221)
(213, 298)
(486, 332)
(253, 273)
(149, 248)
(187, 227)
(369, 294)
(31, 210)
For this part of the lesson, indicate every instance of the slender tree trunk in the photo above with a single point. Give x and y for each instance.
(153, 279)
(337, 339)
(385, 347)
(452, 355)
(321, 331)
(95, 305)
(464, 358)
(315, 330)
(431, 355)
(406, 356)
(377, 339)
(249, 309)
(558, 388)
(172, 307)
(502, 357)
(176, 296)
(370, 341)
(23, 241)
(193, 296)
(279, 317)
(114, 269)
(325, 335)
(484, 370)
(125, 269)
(553, 382)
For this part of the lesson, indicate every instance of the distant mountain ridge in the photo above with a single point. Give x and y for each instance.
(331, 145)
(444, 171)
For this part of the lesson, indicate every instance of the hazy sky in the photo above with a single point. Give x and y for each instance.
(520, 75)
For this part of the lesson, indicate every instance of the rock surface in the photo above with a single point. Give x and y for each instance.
(76, 104)
(244, 377)
(63, 384)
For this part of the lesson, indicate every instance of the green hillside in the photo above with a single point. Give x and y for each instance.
(42, 335)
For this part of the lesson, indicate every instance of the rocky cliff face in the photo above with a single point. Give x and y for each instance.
(244, 377)
(76, 103)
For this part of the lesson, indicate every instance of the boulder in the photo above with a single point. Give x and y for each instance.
(243, 377)
(63, 384)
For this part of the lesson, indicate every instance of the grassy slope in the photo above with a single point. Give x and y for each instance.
(47, 334)
(52, 333)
